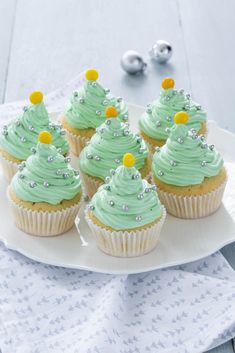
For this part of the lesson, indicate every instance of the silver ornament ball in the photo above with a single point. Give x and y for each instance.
(46, 184)
(67, 159)
(50, 159)
(125, 208)
(33, 150)
(161, 51)
(111, 203)
(91, 207)
(107, 179)
(140, 196)
(125, 116)
(132, 62)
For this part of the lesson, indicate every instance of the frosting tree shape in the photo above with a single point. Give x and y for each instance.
(185, 159)
(107, 146)
(46, 176)
(86, 108)
(159, 114)
(19, 137)
(126, 201)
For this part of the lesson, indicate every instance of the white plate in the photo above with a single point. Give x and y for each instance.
(181, 240)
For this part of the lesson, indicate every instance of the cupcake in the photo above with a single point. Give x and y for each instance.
(19, 137)
(189, 174)
(86, 111)
(125, 215)
(45, 193)
(159, 115)
(104, 152)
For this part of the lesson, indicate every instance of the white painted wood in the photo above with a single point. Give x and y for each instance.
(54, 41)
(209, 29)
(7, 13)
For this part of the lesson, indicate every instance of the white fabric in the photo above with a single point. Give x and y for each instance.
(188, 308)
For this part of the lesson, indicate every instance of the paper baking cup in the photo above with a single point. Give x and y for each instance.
(76, 142)
(44, 223)
(192, 206)
(91, 185)
(124, 243)
(9, 168)
(151, 149)
(148, 177)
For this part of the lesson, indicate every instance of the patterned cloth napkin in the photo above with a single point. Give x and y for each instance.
(185, 309)
(48, 309)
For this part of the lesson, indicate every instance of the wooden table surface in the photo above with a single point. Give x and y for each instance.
(45, 43)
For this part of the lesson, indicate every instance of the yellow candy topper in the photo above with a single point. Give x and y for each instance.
(181, 118)
(91, 75)
(45, 137)
(111, 112)
(129, 160)
(167, 83)
(36, 97)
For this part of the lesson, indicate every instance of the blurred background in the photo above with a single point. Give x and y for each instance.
(43, 44)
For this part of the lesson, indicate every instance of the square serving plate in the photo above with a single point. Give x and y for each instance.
(181, 240)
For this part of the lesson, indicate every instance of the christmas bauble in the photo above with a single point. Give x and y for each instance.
(161, 51)
(132, 62)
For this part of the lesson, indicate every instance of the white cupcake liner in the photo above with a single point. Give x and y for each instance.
(43, 223)
(9, 168)
(192, 207)
(91, 185)
(76, 142)
(148, 177)
(151, 149)
(127, 243)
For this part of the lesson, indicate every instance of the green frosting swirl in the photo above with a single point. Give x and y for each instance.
(185, 159)
(126, 202)
(46, 176)
(108, 145)
(160, 113)
(86, 108)
(21, 135)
